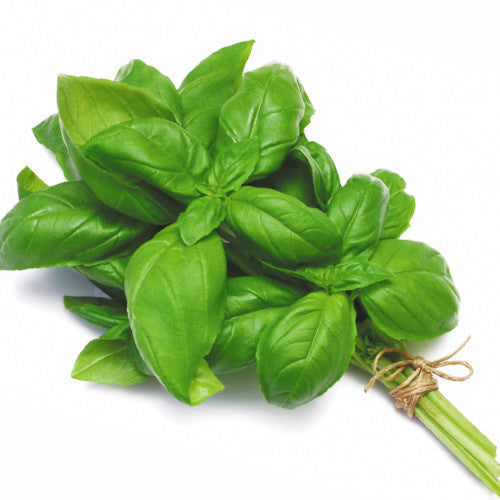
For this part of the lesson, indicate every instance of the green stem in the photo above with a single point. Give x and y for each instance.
(469, 428)
(451, 427)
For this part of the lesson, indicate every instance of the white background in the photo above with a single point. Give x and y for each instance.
(408, 86)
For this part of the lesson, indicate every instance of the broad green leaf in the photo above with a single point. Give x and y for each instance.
(64, 225)
(107, 361)
(357, 274)
(252, 304)
(110, 273)
(401, 205)
(157, 151)
(293, 179)
(358, 211)
(139, 74)
(203, 385)
(88, 106)
(28, 182)
(233, 166)
(246, 294)
(325, 178)
(345, 276)
(208, 86)
(175, 297)
(48, 133)
(98, 311)
(124, 193)
(307, 349)
(201, 217)
(280, 229)
(420, 301)
(236, 344)
(269, 106)
(119, 331)
(136, 357)
(308, 108)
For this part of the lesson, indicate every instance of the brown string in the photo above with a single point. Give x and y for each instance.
(421, 381)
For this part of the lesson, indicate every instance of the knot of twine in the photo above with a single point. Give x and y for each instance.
(421, 381)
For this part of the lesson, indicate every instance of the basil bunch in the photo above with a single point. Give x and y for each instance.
(221, 234)
(223, 237)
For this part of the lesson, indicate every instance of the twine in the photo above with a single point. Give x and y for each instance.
(421, 381)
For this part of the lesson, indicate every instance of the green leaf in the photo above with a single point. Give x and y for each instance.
(139, 74)
(269, 106)
(64, 225)
(401, 205)
(357, 274)
(326, 182)
(292, 179)
(157, 151)
(420, 301)
(280, 229)
(308, 108)
(201, 217)
(175, 297)
(234, 165)
(307, 349)
(48, 133)
(246, 294)
(28, 182)
(124, 193)
(236, 344)
(98, 311)
(88, 106)
(358, 211)
(203, 385)
(119, 331)
(110, 273)
(208, 86)
(107, 361)
(252, 304)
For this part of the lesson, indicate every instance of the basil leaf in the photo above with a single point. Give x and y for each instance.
(420, 301)
(98, 311)
(307, 350)
(345, 276)
(236, 344)
(269, 106)
(88, 106)
(48, 133)
(234, 165)
(110, 273)
(401, 205)
(252, 304)
(308, 108)
(28, 182)
(157, 151)
(358, 211)
(208, 86)
(124, 193)
(326, 182)
(280, 229)
(204, 385)
(201, 217)
(292, 179)
(107, 360)
(246, 294)
(64, 225)
(175, 297)
(139, 74)
(357, 274)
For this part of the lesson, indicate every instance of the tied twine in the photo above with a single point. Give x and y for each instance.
(421, 381)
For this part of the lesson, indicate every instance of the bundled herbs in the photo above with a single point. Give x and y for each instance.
(223, 237)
